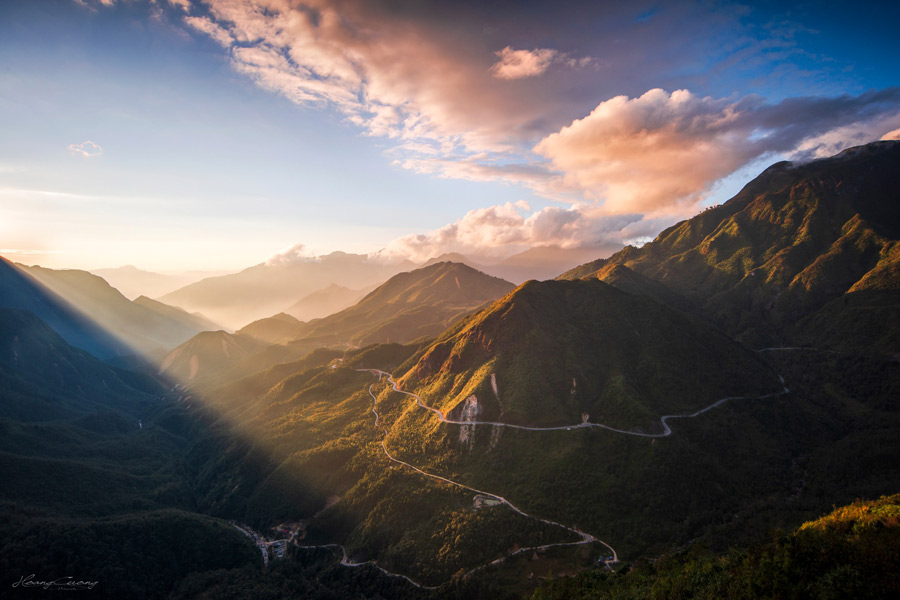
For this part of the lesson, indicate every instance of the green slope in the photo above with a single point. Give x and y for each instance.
(408, 306)
(559, 349)
(849, 553)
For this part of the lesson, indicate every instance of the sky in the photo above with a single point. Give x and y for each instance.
(181, 135)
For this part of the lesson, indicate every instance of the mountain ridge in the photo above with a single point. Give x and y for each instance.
(792, 240)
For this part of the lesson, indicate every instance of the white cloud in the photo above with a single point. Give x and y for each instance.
(518, 64)
(294, 254)
(87, 149)
(400, 75)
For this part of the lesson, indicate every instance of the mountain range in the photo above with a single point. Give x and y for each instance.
(134, 282)
(144, 325)
(317, 287)
(407, 306)
(266, 289)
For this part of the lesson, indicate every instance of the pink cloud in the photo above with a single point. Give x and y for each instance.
(518, 64)
(660, 153)
(441, 94)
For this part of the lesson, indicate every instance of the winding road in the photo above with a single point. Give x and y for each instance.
(345, 561)
(584, 538)
(663, 420)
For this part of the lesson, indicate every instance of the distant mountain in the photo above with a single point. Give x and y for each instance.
(144, 325)
(798, 239)
(539, 262)
(409, 305)
(275, 329)
(326, 301)
(266, 289)
(557, 350)
(134, 282)
(19, 289)
(546, 262)
(206, 354)
(456, 257)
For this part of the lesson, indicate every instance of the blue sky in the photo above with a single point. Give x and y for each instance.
(226, 131)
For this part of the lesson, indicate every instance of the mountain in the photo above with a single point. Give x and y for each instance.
(266, 289)
(178, 315)
(206, 354)
(798, 239)
(275, 329)
(723, 474)
(326, 301)
(18, 289)
(456, 257)
(144, 325)
(552, 351)
(849, 553)
(611, 405)
(44, 378)
(539, 262)
(134, 282)
(93, 466)
(409, 305)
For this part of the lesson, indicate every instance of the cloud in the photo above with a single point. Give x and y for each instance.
(298, 253)
(440, 92)
(892, 135)
(501, 230)
(87, 149)
(521, 64)
(419, 78)
(660, 152)
(205, 25)
(518, 64)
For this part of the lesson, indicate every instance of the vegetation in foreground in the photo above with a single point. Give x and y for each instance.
(853, 552)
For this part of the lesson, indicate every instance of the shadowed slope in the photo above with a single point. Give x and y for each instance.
(20, 290)
(144, 324)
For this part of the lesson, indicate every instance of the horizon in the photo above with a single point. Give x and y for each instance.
(179, 135)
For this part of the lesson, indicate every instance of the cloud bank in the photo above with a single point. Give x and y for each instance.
(501, 230)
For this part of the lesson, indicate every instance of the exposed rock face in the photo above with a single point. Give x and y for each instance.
(469, 410)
